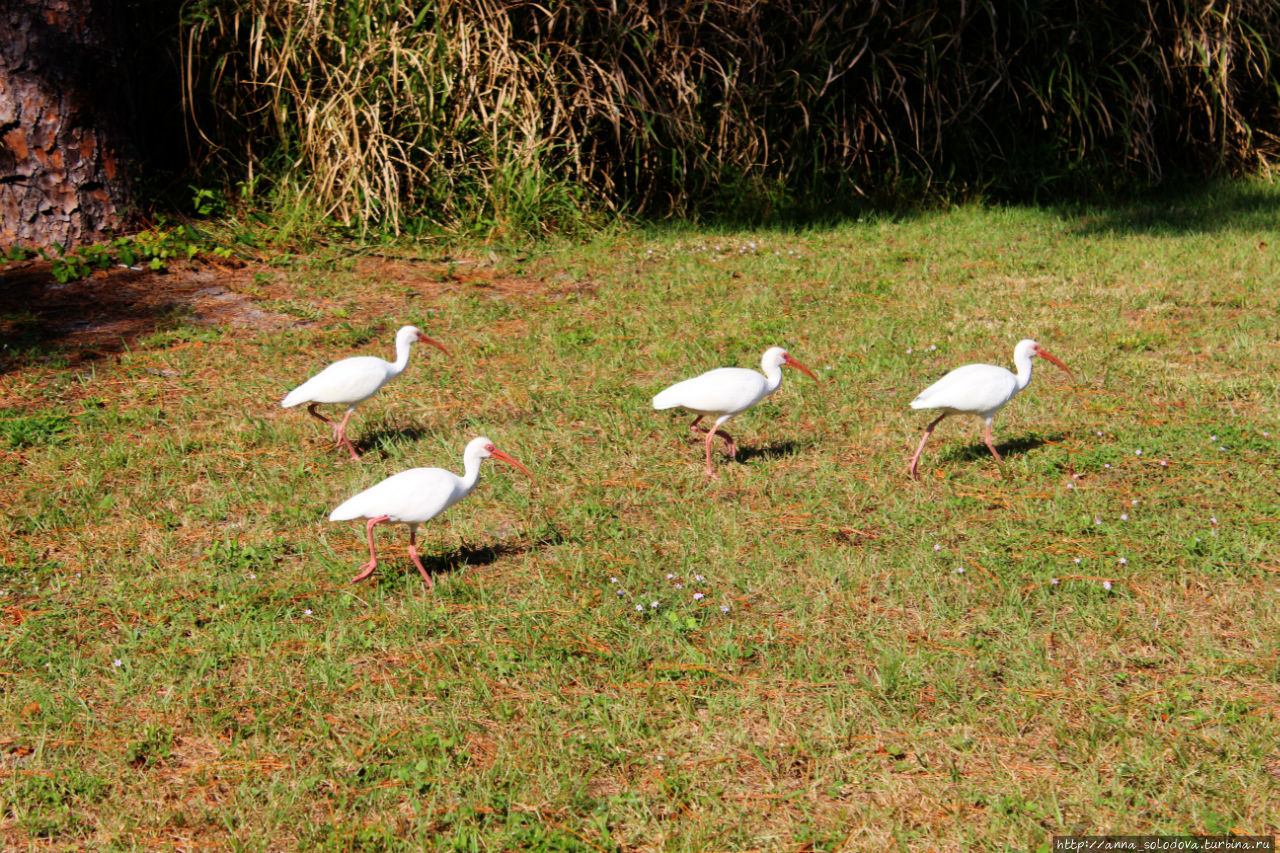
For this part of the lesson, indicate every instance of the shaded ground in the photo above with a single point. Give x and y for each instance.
(101, 314)
(111, 309)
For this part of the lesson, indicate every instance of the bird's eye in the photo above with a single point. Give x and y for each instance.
(489, 447)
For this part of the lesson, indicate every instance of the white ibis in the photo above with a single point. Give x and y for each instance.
(981, 390)
(415, 496)
(354, 380)
(725, 392)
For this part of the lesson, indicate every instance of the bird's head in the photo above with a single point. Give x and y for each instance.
(485, 449)
(1031, 349)
(412, 334)
(778, 357)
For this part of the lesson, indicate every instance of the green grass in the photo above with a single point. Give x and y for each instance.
(901, 665)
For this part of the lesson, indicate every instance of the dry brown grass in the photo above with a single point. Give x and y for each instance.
(504, 112)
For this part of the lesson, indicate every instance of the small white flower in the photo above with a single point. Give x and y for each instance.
(697, 596)
(1222, 448)
(1053, 581)
(699, 578)
(670, 576)
(1164, 464)
(1137, 453)
(117, 663)
(252, 576)
(1097, 521)
(908, 350)
(1099, 433)
(1077, 560)
(1124, 516)
(724, 608)
(613, 580)
(306, 612)
(621, 592)
(1106, 584)
(933, 347)
(640, 607)
(1134, 502)
(1213, 438)
(937, 547)
(1123, 561)
(1213, 520)
(959, 570)
(1075, 476)
(1106, 465)
(679, 586)
(653, 604)
(1071, 485)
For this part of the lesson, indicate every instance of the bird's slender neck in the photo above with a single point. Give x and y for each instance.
(772, 377)
(402, 356)
(1023, 363)
(470, 471)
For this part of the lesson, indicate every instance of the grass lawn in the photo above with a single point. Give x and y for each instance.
(812, 653)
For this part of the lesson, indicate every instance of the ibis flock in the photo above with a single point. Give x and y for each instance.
(420, 494)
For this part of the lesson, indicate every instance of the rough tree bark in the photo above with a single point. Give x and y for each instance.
(65, 158)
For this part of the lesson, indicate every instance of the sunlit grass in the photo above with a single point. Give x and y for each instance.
(967, 662)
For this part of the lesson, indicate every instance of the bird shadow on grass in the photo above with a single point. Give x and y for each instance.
(773, 450)
(384, 439)
(478, 556)
(1014, 447)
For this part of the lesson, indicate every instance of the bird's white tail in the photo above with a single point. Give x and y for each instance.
(348, 510)
(665, 399)
(301, 394)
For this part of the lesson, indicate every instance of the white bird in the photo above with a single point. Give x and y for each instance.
(354, 380)
(725, 392)
(415, 496)
(981, 390)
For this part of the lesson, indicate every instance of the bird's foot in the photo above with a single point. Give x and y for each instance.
(422, 570)
(365, 571)
(712, 474)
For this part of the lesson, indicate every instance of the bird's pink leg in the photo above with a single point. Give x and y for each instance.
(710, 473)
(733, 448)
(928, 431)
(367, 568)
(316, 414)
(986, 436)
(413, 555)
(340, 435)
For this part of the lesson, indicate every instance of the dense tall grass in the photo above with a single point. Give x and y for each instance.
(519, 114)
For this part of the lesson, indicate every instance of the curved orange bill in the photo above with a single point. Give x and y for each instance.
(435, 344)
(1045, 355)
(498, 454)
(788, 360)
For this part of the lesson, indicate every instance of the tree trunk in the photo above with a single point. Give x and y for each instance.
(65, 158)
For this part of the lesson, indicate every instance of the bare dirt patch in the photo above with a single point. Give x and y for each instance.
(110, 309)
(99, 315)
